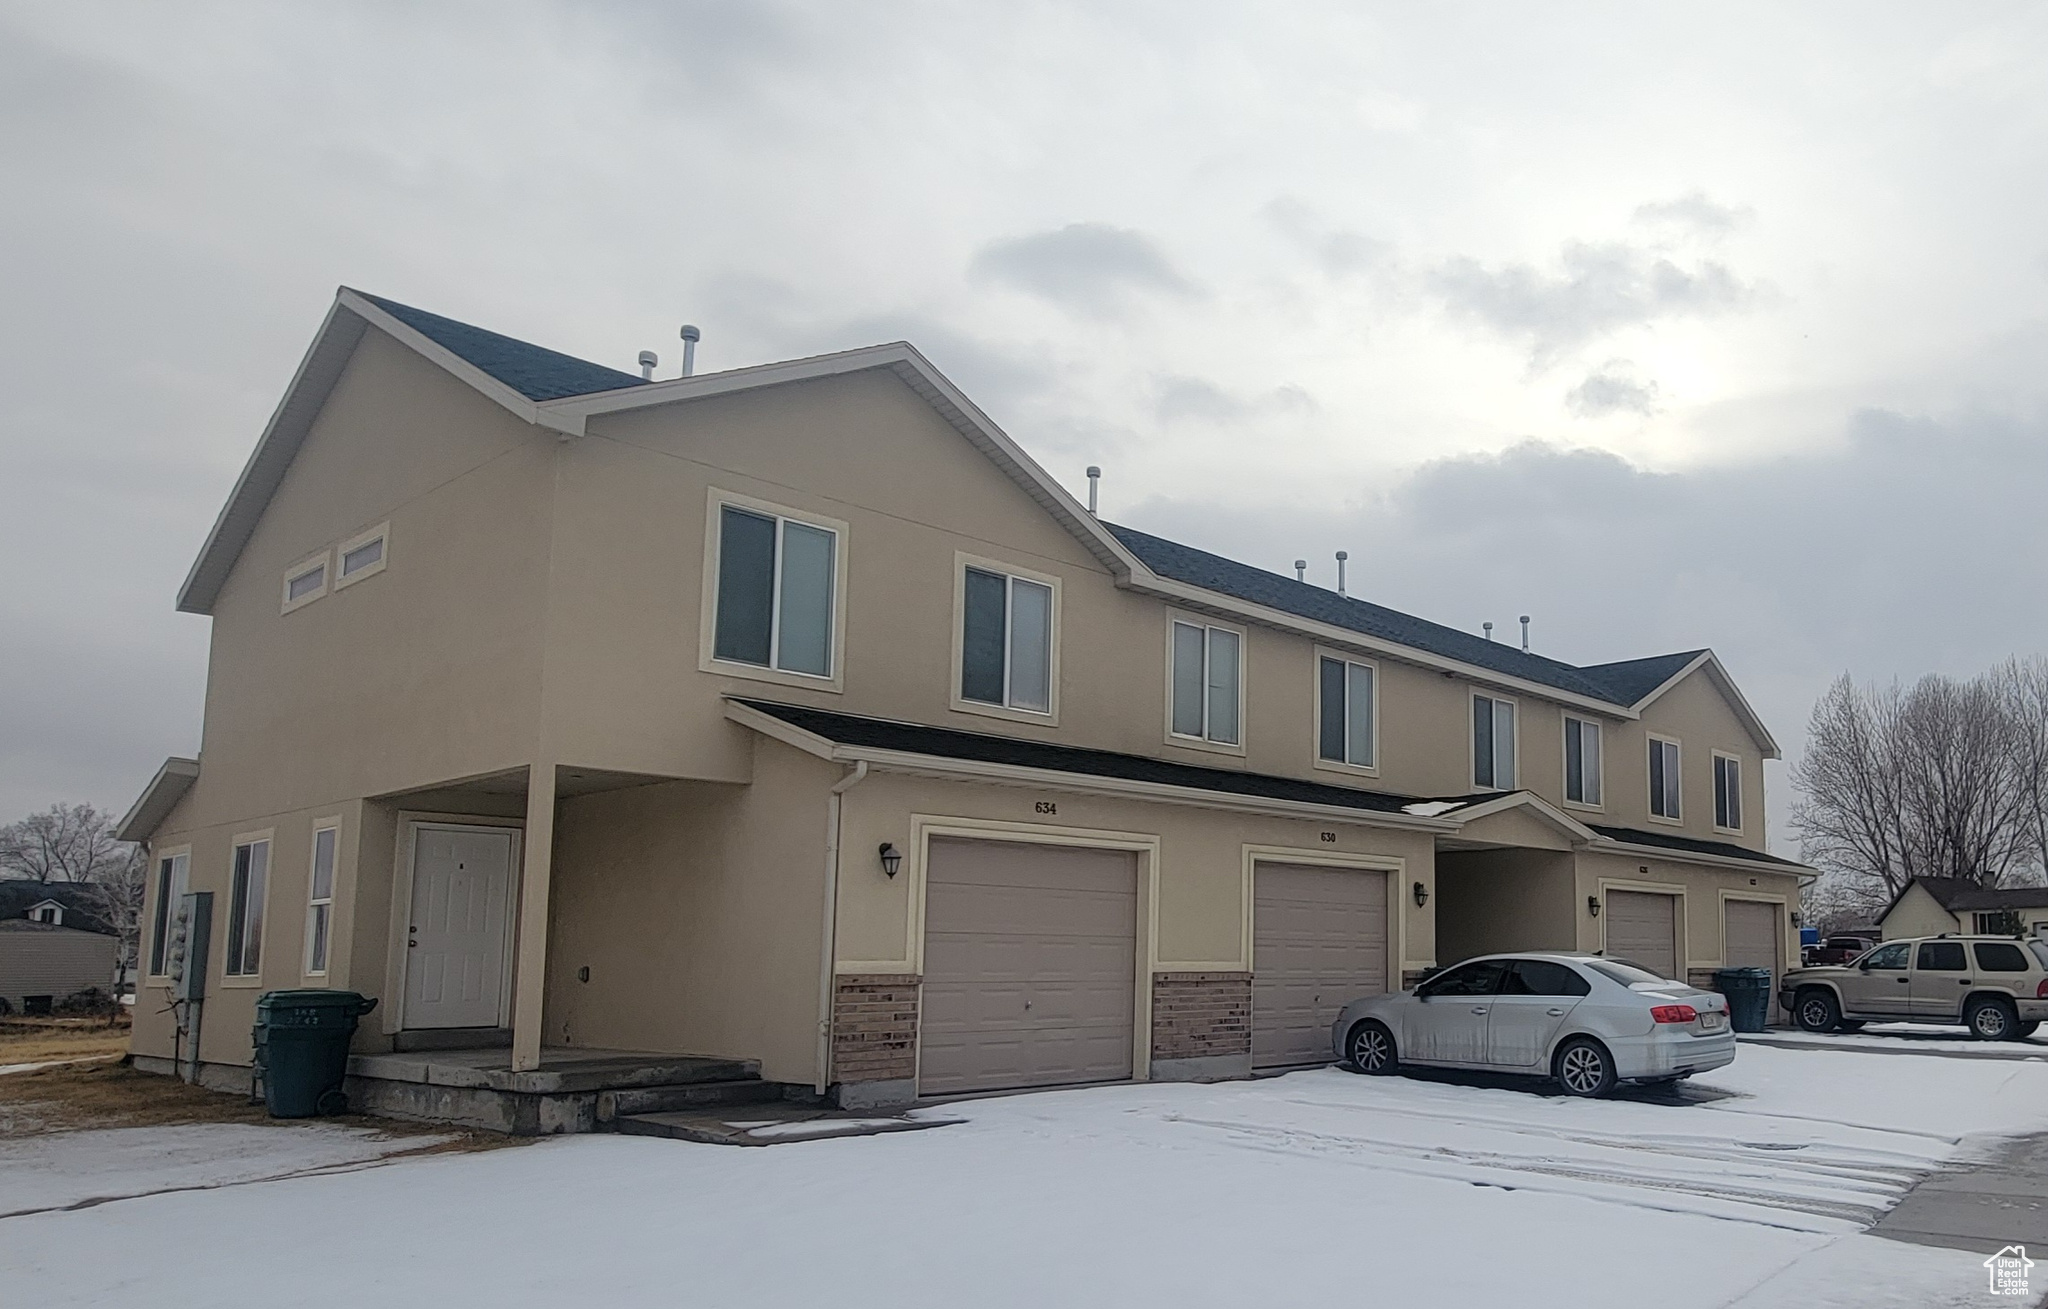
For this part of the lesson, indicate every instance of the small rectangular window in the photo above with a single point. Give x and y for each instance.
(1664, 788)
(776, 578)
(1727, 793)
(305, 583)
(1345, 694)
(1941, 957)
(1581, 761)
(1206, 687)
(320, 900)
(245, 909)
(170, 889)
(362, 556)
(1493, 743)
(1006, 641)
(1998, 957)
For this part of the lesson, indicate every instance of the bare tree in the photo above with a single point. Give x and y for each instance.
(2024, 684)
(75, 843)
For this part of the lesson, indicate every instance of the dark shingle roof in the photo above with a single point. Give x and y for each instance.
(81, 908)
(1665, 840)
(1960, 893)
(1612, 683)
(946, 743)
(531, 370)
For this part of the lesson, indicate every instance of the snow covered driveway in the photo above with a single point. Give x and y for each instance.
(1319, 1187)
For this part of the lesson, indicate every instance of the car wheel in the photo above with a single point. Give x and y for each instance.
(1584, 1068)
(1992, 1020)
(1817, 1010)
(1372, 1048)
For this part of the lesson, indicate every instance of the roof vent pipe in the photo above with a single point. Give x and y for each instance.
(648, 359)
(1094, 480)
(1525, 631)
(1301, 570)
(1489, 630)
(1342, 555)
(690, 338)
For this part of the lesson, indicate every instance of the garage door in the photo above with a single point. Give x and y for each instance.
(1030, 966)
(1319, 941)
(1643, 929)
(1752, 937)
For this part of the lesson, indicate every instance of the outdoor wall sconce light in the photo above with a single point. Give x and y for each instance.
(1421, 895)
(892, 859)
(1593, 905)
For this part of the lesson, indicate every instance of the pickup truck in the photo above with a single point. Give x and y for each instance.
(1836, 950)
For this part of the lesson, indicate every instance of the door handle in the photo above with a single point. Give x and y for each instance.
(1962, 981)
(1478, 1008)
(1902, 980)
(1554, 1013)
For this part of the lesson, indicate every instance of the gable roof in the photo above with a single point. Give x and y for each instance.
(80, 903)
(1961, 895)
(1631, 680)
(534, 371)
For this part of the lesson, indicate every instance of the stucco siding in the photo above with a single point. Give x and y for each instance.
(53, 961)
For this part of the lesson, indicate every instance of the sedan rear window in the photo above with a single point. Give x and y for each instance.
(1998, 957)
(1625, 973)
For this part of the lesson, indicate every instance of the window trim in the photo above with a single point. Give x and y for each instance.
(159, 904)
(1736, 759)
(1204, 742)
(707, 615)
(1315, 736)
(381, 531)
(227, 979)
(1050, 715)
(323, 560)
(334, 883)
(1564, 795)
(1652, 740)
(1474, 695)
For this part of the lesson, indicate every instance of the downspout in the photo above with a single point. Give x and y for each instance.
(829, 948)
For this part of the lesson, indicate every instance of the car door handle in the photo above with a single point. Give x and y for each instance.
(1902, 980)
(1962, 981)
(1555, 1013)
(1478, 1008)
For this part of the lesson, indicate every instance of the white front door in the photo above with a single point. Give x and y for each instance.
(455, 962)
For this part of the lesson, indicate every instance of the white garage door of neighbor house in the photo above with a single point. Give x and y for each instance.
(1319, 941)
(461, 912)
(1030, 966)
(1643, 929)
(1751, 939)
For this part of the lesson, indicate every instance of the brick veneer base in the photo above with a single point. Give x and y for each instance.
(874, 1027)
(1201, 1015)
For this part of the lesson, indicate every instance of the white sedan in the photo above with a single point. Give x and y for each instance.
(1588, 1022)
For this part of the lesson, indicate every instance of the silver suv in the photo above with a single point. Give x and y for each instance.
(1994, 985)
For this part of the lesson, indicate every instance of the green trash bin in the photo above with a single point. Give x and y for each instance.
(1749, 997)
(302, 1049)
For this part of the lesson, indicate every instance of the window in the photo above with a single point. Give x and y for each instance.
(47, 913)
(1582, 761)
(320, 900)
(1006, 639)
(1543, 977)
(1346, 731)
(1493, 743)
(1205, 682)
(1727, 793)
(776, 578)
(362, 556)
(1628, 974)
(1664, 779)
(1478, 978)
(1999, 957)
(1998, 922)
(245, 908)
(305, 583)
(1890, 958)
(1941, 957)
(170, 889)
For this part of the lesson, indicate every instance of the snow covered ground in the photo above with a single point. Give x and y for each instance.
(1320, 1187)
(1922, 1039)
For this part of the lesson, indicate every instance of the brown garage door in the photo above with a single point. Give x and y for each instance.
(1030, 966)
(1643, 929)
(1751, 939)
(1319, 941)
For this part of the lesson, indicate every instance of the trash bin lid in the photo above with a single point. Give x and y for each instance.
(315, 998)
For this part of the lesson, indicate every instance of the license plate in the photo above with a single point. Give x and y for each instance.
(1713, 1021)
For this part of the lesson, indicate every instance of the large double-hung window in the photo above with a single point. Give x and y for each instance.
(1664, 779)
(1493, 742)
(1346, 732)
(1206, 694)
(1006, 641)
(1582, 761)
(777, 587)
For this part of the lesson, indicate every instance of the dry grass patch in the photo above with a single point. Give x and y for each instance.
(39, 1040)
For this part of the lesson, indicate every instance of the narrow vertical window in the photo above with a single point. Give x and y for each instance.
(170, 889)
(1664, 779)
(1727, 793)
(320, 901)
(245, 909)
(1493, 743)
(1345, 728)
(776, 602)
(1006, 641)
(1581, 761)
(1207, 678)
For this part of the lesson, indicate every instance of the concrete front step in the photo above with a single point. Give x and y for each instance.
(613, 1105)
(768, 1125)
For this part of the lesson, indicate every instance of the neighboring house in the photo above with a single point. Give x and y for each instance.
(61, 904)
(793, 713)
(41, 963)
(1929, 906)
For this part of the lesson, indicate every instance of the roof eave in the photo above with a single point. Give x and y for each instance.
(169, 786)
(1751, 721)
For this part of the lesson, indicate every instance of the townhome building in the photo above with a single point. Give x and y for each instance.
(793, 715)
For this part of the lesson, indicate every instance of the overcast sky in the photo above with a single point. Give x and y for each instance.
(1669, 327)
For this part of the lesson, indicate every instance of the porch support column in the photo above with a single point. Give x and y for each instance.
(529, 978)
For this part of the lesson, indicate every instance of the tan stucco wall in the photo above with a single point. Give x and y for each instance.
(1494, 900)
(1703, 888)
(1918, 914)
(1700, 719)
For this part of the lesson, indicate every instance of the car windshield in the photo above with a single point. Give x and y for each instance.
(1626, 973)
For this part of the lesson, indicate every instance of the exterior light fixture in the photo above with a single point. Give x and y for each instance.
(1421, 895)
(892, 859)
(1593, 905)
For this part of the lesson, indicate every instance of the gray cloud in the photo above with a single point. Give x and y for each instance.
(1695, 212)
(1090, 268)
(1338, 251)
(1612, 388)
(1197, 398)
(1596, 288)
